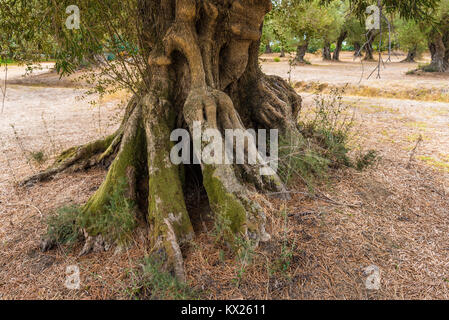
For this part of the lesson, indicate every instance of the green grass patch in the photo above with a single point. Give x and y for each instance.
(62, 227)
(153, 283)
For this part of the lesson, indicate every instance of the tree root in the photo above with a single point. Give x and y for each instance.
(79, 158)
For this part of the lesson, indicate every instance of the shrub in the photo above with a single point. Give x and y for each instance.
(323, 144)
(366, 160)
(118, 220)
(38, 156)
(116, 224)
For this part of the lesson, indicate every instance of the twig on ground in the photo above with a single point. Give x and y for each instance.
(412, 154)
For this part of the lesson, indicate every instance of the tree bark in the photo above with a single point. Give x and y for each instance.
(369, 46)
(439, 54)
(368, 52)
(357, 47)
(341, 38)
(282, 55)
(202, 68)
(327, 51)
(268, 49)
(301, 52)
(411, 55)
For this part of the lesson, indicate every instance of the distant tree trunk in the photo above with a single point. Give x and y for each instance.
(301, 52)
(411, 55)
(432, 50)
(282, 52)
(368, 52)
(327, 51)
(202, 70)
(339, 45)
(439, 54)
(268, 49)
(369, 46)
(357, 47)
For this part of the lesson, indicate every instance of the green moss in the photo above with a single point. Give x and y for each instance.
(67, 154)
(222, 202)
(98, 203)
(166, 197)
(118, 219)
(87, 151)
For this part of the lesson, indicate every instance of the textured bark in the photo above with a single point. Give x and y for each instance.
(282, 55)
(268, 49)
(411, 55)
(369, 46)
(439, 50)
(301, 52)
(357, 48)
(327, 51)
(341, 38)
(368, 52)
(202, 66)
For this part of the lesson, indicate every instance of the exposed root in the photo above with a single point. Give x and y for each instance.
(178, 261)
(79, 158)
(228, 197)
(94, 244)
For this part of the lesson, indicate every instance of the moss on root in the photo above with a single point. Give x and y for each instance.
(222, 202)
(128, 160)
(86, 151)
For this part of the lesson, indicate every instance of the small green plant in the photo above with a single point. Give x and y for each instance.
(366, 160)
(277, 59)
(297, 158)
(239, 244)
(38, 157)
(62, 227)
(222, 231)
(153, 283)
(323, 142)
(245, 253)
(284, 262)
(331, 126)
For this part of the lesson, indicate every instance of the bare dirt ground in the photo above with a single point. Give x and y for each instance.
(394, 216)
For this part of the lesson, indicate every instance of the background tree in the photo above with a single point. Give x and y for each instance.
(268, 34)
(411, 38)
(307, 20)
(356, 33)
(438, 38)
(330, 26)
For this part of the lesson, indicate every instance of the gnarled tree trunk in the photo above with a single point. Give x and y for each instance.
(357, 48)
(268, 49)
(369, 46)
(301, 51)
(327, 51)
(203, 68)
(341, 38)
(411, 55)
(439, 54)
(282, 55)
